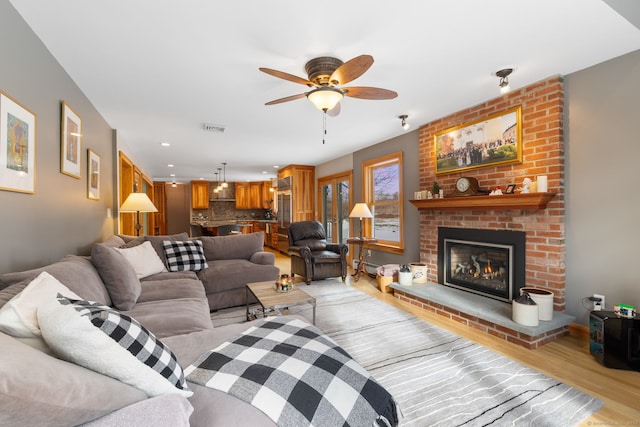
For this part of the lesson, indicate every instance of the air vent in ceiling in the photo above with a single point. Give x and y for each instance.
(213, 128)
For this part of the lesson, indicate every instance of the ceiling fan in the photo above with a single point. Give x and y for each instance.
(326, 75)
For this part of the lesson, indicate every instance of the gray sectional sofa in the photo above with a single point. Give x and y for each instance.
(87, 341)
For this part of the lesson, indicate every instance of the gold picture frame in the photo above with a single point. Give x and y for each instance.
(491, 141)
(93, 175)
(17, 146)
(70, 142)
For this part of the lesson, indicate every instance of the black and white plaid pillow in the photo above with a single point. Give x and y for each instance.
(114, 344)
(183, 256)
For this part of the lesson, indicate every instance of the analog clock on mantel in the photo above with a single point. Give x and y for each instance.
(467, 186)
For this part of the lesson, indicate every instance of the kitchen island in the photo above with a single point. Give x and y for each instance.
(216, 227)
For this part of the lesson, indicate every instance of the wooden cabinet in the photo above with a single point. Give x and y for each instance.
(242, 195)
(302, 191)
(200, 194)
(252, 195)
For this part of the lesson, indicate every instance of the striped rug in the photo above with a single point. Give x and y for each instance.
(437, 377)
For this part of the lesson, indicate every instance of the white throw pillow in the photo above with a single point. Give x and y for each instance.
(18, 317)
(144, 258)
(111, 343)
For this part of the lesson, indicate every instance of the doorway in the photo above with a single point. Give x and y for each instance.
(335, 202)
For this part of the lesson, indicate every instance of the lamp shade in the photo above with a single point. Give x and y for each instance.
(325, 98)
(360, 210)
(138, 202)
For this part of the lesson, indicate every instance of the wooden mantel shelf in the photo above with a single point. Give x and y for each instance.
(526, 201)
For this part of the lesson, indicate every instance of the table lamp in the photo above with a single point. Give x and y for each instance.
(138, 202)
(360, 210)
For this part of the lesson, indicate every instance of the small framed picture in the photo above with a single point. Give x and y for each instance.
(70, 142)
(17, 146)
(93, 175)
(511, 188)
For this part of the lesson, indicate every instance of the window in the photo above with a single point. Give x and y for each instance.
(382, 191)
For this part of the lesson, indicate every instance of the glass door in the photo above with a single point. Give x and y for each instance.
(335, 205)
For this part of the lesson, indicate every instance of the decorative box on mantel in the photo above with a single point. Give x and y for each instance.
(485, 314)
(525, 201)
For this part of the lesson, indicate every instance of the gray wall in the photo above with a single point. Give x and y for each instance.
(602, 171)
(408, 144)
(58, 219)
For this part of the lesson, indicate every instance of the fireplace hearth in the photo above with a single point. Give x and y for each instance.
(486, 262)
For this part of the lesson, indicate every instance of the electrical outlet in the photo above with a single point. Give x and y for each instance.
(598, 305)
(368, 252)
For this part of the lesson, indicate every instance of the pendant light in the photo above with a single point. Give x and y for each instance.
(215, 190)
(219, 187)
(224, 180)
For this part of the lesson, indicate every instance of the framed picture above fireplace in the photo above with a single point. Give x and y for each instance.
(490, 141)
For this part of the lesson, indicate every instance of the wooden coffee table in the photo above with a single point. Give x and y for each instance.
(268, 297)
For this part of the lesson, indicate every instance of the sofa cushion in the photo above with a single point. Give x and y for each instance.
(157, 242)
(184, 256)
(224, 275)
(144, 259)
(118, 275)
(18, 317)
(179, 287)
(170, 317)
(40, 390)
(75, 272)
(111, 343)
(240, 246)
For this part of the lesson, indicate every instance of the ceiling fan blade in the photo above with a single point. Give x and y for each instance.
(287, 76)
(351, 70)
(335, 110)
(287, 99)
(369, 92)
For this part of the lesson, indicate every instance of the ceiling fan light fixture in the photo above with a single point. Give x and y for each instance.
(325, 98)
(504, 79)
(405, 125)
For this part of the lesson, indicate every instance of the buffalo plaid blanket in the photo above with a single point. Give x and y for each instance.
(297, 376)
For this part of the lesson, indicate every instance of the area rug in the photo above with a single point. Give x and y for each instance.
(437, 377)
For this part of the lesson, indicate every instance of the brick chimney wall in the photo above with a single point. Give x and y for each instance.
(543, 154)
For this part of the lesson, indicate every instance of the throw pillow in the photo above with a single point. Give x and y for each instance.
(111, 343)
(18, 316)
(118, 275)
(184, 256)
(144, 259)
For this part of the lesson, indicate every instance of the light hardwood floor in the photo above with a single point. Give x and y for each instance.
(566, 359)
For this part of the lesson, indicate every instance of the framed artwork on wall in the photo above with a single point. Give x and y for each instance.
(93, 175)
(70, 142)
(490, 141)
(17, 146)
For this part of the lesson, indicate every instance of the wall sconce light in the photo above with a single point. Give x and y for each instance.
(404, 123)
(504, 79)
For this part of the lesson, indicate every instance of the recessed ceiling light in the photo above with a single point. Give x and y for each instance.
(173, 174)
(264, 171)
(165, 144)
(276, 166)
(170, 166)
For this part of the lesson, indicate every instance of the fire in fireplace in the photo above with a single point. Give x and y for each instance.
(485, 262)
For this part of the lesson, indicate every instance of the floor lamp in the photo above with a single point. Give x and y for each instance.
(360, 210)
(138, 202)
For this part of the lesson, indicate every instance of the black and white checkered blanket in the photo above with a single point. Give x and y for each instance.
(297, 376)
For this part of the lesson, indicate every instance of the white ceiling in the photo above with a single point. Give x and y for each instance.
(157, 70)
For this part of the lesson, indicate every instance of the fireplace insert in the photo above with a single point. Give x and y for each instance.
(486, 262)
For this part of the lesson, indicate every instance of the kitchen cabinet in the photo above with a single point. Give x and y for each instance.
(200, 194)
(242, 195)
(252, 195)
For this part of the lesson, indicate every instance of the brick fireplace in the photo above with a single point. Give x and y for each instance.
(543, 154)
